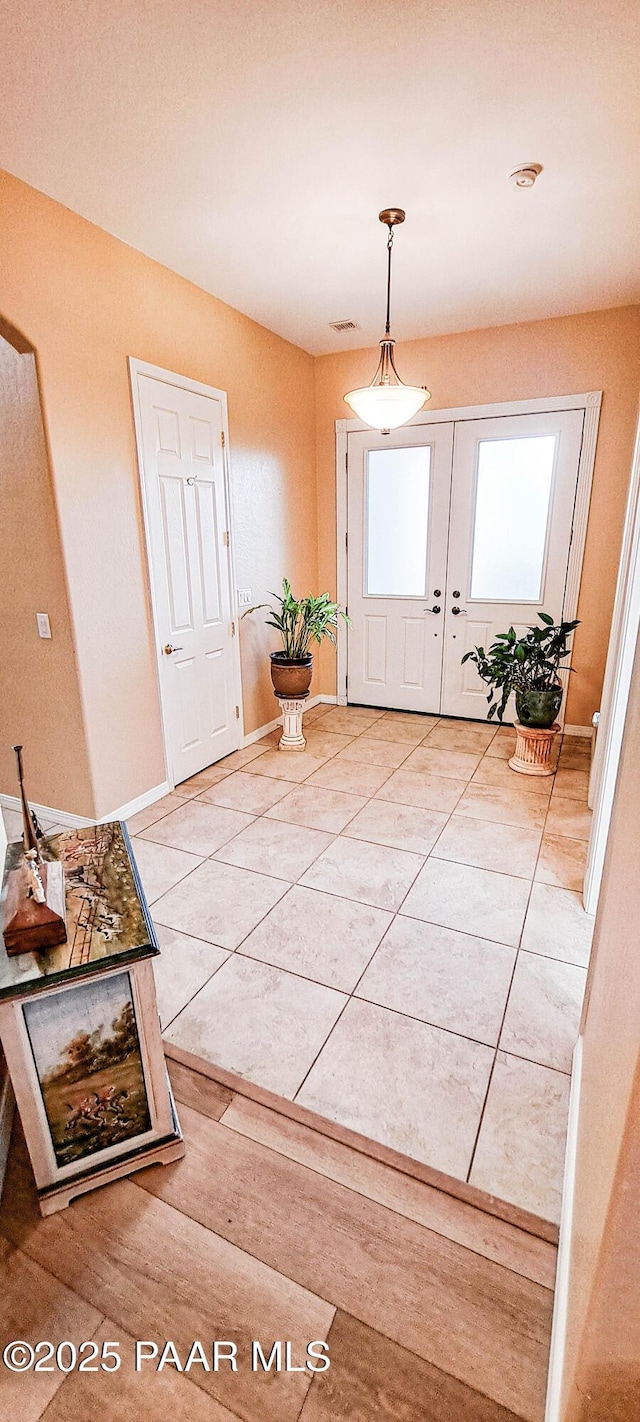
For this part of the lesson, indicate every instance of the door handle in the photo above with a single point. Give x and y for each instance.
(459, 612)
(435, 609)
(168, 649)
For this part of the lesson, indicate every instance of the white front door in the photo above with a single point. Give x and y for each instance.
(456, 531)
(181, 448)
(512, 501)
(398, 516)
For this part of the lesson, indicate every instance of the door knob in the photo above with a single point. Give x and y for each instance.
(168, 649)
(435, 609)
(459, 611)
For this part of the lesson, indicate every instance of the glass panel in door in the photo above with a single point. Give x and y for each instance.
(512, 498)
(397, 517)
(512, 506)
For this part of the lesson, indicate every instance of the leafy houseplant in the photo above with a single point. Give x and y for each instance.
(528, 666)
(299, 622)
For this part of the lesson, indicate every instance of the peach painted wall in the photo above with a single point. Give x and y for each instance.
(40, 694)
(602, 1366)
(564, 356)
(86, 302)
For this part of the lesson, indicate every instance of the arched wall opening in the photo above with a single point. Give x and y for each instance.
(40, 699)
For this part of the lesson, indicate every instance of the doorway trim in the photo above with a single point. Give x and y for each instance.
(183, 382)
(590, 402)
(615, 692)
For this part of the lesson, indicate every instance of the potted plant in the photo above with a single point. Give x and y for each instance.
(529, 667)
(299, 622)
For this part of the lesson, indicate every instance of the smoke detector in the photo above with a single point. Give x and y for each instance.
(343, 326)
(525, 177)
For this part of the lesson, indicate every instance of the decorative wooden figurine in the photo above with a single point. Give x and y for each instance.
(79, 1026)
(33, 908)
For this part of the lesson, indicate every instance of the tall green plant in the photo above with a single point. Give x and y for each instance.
(529, 663)
(301, 621)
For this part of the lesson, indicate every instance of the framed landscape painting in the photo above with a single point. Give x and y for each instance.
(86, 1051)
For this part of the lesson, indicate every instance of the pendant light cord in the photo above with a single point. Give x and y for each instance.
(387, 327)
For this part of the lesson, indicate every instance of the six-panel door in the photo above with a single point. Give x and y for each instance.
(189, 533)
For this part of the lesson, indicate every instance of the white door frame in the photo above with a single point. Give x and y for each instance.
(183, 382)
(589, 402)
(615, 692)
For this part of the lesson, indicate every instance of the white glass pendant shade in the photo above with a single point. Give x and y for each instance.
(387, 403)
(384, 407)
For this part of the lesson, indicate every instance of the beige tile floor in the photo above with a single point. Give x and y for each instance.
(388, 929)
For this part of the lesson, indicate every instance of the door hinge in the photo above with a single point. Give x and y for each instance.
(346, 540)
(225, 540)
(232, 629)
(222, 439)
(237, 713)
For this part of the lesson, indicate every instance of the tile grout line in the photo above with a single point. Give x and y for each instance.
(293, 883)
(504, 1014)
(408, 749)
(508, 997)
(165, 1027)
(232, 952)
(352, 994)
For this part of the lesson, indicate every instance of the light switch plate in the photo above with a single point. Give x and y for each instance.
(244, 597)
(43, 624)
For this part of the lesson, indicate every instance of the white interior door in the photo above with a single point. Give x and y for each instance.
(398, 515)
(512, 500)
(180, 435)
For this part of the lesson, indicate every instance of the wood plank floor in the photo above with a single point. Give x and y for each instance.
(433, 1310)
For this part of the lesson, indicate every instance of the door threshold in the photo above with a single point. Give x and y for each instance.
(386, 1155)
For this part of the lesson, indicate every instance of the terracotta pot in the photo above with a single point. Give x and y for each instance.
(538, 708)
(291, 677)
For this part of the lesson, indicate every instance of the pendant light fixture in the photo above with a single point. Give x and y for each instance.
(387, 403)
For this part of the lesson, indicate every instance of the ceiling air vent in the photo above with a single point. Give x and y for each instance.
(343, 326)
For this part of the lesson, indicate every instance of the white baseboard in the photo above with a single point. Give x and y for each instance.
(7, 1103)
(261, 731)
(141, 802)
(149, 797)
(578, 730)
(561, 1299)
(45, 812)
(69, 821)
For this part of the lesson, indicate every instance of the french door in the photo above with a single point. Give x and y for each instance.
(455, 532)
(398, 517)
(181, 452)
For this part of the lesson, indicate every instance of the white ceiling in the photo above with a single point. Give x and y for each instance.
(249, 145)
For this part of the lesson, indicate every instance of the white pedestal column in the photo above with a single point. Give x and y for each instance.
(292, 709)
(533, 754)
